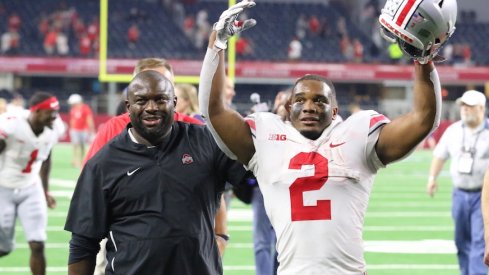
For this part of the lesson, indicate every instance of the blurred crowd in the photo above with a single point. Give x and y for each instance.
(68, 31)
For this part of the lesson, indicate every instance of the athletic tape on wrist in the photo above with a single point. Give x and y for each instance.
(435, 79)
(209, 67)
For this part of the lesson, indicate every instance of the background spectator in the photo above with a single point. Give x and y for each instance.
(62, 46)
(301, 26)
(357, 51)
(346, 48)
(243, 47)
(295, 49)
(14, 22)
(314, 25)
(133, 36)
(82, 127)
(10, 42)
(50, 41)
(187, 100)
(85, 45)
(189, 26)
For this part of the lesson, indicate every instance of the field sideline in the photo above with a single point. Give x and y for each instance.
(406, 232)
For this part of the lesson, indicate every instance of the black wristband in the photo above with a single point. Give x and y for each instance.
(224, 236)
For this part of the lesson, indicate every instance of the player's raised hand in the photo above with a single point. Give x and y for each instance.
(228, 26)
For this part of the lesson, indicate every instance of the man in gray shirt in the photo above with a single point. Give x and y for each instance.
(466, 142)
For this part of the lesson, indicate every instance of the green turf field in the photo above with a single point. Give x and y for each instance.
(406, 232)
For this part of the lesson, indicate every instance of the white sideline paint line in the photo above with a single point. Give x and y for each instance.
(238, 267)
(393, 196)
(419, 194)
(60, 193)
(62, 183)
(49, 228)
(246, 215)
(238, 215)
(57, 214)
(420, 204)
(379, 228)
(61, 202)
(240, 245)
(404, 228)
(27, 269)
(393, 247)
(434, 228)
(250, 267)
(412, 266)
(437, 214)
(411, 247)
(48, 245)
(397, 247)
(371, 267)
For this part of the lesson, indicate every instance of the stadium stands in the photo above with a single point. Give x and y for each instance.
(162, 35)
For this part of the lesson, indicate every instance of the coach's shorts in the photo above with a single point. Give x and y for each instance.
(29, 204)
(79, 137)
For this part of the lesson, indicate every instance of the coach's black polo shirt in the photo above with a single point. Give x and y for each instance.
(156, 205)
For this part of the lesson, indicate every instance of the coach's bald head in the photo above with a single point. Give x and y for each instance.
(151, 104)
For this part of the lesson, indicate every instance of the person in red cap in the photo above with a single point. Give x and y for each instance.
(26, 140)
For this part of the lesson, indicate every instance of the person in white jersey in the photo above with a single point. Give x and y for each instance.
(315, 173)
(26, 140)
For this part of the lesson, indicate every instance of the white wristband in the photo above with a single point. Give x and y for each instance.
(431, 178)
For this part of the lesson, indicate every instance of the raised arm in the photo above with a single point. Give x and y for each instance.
(402, 135)
(421, 40)
(226, 125)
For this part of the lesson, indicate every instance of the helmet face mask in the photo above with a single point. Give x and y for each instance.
(420, 27)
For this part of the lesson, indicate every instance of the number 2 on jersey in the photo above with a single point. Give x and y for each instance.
(300, 212)
(33, 157)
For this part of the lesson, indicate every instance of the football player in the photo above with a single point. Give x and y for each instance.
(315, 173)
(26, 140)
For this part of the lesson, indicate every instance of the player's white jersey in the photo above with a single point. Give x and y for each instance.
(21, 160)
(316, 192)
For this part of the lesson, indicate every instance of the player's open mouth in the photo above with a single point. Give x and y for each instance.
(151, 121)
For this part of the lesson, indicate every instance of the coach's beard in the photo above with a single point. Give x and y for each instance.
(155, 134)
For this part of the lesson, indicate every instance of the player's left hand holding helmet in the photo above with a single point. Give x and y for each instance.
(420, 27)
(228, 26)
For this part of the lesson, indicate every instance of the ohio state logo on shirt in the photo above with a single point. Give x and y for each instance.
(187, 159)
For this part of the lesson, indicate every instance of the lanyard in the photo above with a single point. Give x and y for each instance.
(471, 149)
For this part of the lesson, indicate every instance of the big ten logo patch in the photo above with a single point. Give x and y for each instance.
(278, 137)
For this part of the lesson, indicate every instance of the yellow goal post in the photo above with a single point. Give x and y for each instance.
(104, 76)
